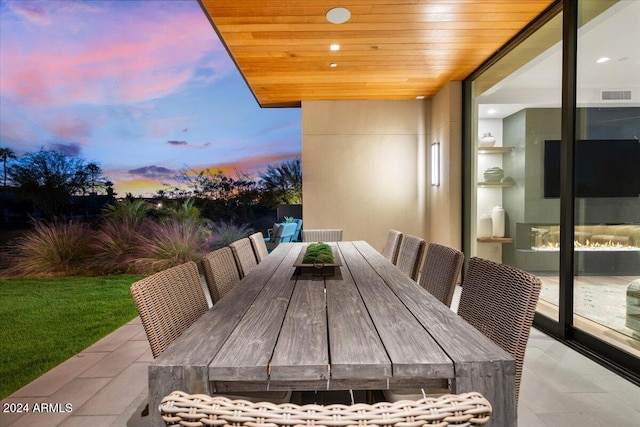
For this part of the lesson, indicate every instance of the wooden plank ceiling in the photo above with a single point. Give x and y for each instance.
(389, 49)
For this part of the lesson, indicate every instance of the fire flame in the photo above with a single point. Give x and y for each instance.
(586, 245)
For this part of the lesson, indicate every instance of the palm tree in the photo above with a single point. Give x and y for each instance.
(94, 172)
(6, 154)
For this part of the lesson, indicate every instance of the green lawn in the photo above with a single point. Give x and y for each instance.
(45, 321)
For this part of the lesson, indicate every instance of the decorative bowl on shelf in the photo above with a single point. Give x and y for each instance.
(494, 174)
(487, 140)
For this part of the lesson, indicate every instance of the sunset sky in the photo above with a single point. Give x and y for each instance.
(142, 87)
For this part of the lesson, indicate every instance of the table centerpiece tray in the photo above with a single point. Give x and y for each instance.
(318, 268)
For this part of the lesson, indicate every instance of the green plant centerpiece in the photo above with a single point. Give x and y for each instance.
(318, 253)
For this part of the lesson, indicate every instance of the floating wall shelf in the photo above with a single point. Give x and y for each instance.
(494, 150)
(495, 240)
(496, 184)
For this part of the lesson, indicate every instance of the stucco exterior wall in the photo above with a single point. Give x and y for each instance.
(366, 168)
(445, 207)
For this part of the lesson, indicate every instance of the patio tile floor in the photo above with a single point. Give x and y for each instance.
(106, 384)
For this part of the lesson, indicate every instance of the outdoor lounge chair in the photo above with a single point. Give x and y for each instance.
(296, 235)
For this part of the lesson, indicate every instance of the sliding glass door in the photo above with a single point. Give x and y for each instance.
(606, 283)
(517, 111)
(553, 136)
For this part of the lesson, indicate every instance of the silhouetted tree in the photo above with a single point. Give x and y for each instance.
(283, 183)
(219, 195)
(49, 178)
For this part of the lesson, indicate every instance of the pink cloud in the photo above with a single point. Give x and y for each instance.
(70, 127)
(34, 12)
(122, 59)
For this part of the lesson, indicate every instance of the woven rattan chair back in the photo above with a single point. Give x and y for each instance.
(276, 236)
(469, 409)
(391, 248)
(220, 272)
(245, 258)
(322, 235)
(500, 301)
(410, 255)
(259, 246)
(168, 303)
(440, 271)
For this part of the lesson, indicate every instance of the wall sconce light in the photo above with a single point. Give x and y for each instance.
(435, 164)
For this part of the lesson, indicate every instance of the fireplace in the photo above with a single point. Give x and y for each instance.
(600, 249)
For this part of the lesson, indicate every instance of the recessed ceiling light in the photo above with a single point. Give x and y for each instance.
(420, 97)
(491, 111)
(338, 15)
(333, 65)
(603, 59)
(334, 46)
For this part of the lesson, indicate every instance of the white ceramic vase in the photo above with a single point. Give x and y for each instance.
(485, 226)
(497, 219)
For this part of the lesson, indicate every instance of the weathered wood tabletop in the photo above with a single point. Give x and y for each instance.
(367, 327)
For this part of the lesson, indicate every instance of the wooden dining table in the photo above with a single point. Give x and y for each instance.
(366, 326)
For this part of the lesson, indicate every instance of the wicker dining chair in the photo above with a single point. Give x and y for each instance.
(220, 272)
(259, 246)
(392, 246)
(410, 255)
(245, 258)
(181, 409)
(274, 237)
(500, 301)
(168, 303)
(322, 235)
(440, 271)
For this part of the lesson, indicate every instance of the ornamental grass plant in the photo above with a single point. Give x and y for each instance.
(118, 244)
(223, 233)
(171, 242)
(54, 248)
(130, 238)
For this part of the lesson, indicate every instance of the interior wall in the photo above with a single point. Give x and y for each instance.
(364, 166)
(445, 207)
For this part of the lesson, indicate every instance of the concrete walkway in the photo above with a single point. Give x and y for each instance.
(104, 385)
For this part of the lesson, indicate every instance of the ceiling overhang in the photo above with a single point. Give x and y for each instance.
(388, 49)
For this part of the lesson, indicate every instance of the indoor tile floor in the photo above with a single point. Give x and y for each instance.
(106, 385)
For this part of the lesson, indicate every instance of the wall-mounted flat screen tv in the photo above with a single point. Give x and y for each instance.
(604, 168)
